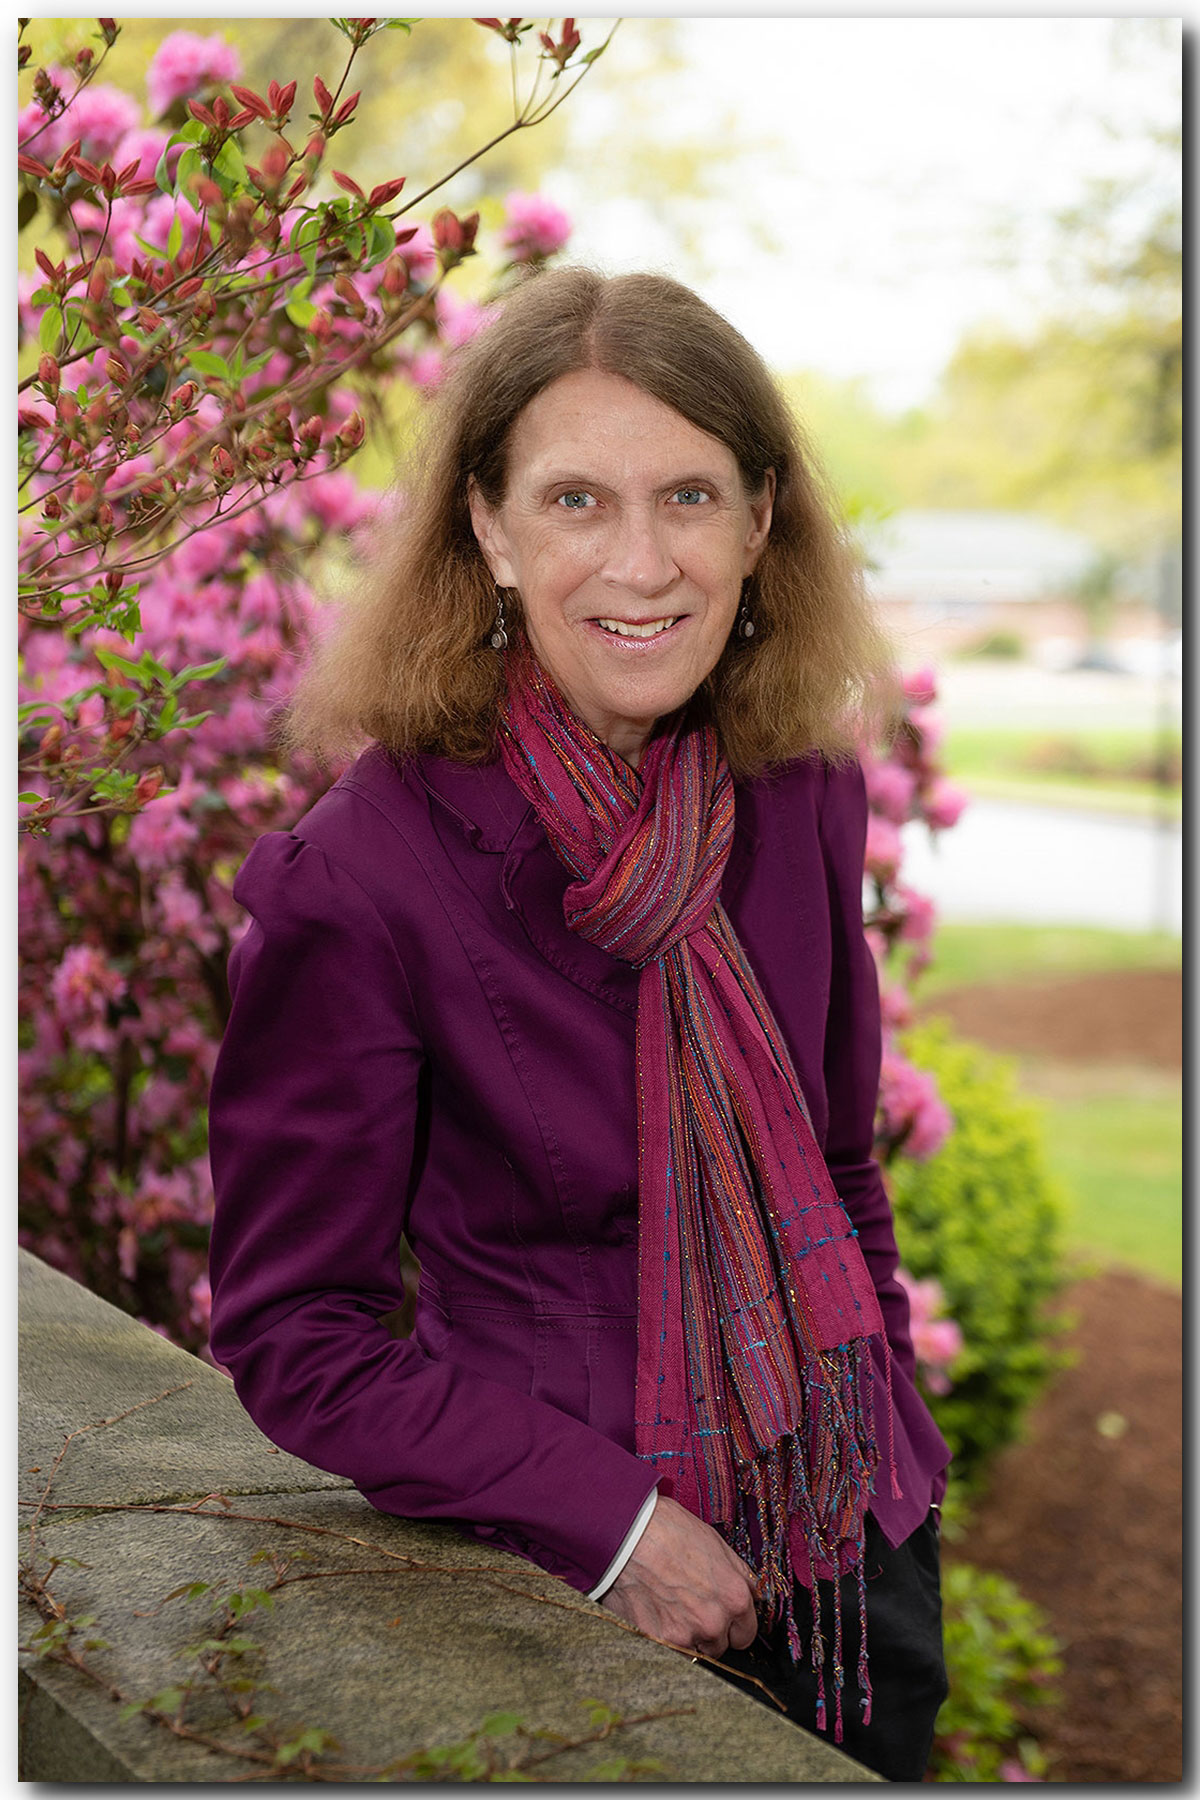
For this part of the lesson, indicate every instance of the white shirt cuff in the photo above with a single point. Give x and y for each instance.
(629, 1544)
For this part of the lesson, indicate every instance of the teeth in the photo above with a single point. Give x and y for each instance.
(637, 631)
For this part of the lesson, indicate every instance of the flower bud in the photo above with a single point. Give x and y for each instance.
(148, 786)
(395, 276)
(49, 375)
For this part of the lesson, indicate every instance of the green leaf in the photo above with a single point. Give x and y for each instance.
(207, 362)
(191, 164)
(301, 312)
(108, 659)
(166, 1700)
(198, 672)
(31, 799)
(192, 720)
(175, 238)
(162, 725)
(381, 238)
(404, 25)
(190, 1588)
(501, 1724)
(231, 163)
(305, 238)
(50, 329)
(131, 1711)
(593, 54)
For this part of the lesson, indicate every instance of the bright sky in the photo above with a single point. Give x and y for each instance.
(906, 148)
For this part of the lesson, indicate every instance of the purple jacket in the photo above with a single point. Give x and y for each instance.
(419, 1044)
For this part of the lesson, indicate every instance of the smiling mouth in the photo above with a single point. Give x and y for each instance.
(625, 629)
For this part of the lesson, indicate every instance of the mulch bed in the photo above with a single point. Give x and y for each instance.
(1085, 1515)
(1090, 1526)
(1130, 1015)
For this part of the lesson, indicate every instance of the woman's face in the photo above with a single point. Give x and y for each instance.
(627, 533)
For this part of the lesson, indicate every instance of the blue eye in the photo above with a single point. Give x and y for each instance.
(689, 496)
(576, 500)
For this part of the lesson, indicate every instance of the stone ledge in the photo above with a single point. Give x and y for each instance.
(406, 1638)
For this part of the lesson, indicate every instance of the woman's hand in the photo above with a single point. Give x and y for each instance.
(684, 1584)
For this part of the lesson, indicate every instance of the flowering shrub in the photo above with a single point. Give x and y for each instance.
(936, 1340)
(1002, 1661)
(182, 441)
(983, 1220)
(225, 311)
(905, 782)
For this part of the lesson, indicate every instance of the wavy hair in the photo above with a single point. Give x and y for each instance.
(408, 662)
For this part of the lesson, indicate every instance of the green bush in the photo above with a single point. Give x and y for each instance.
(1000, 1657)
(982, 1217)
(1005, 646)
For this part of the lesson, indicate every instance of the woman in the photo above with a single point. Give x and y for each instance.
(566, 979)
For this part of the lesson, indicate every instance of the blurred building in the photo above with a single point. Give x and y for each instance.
(950, 580)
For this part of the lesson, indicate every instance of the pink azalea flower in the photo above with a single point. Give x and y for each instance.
(83, 984)
(921, 685)
(931, 1125)
(929, 726)
(895, 1006)
(913, 1111)
(185, 64)
(146, 143)
(943, 806)
(99, 116)
(161, 213)
(426, 369)
(420, 253)
(200, 1302)
(460, 320)
(890, 790)
(536, 227)
(1012, 1770)
(884, 849)
(920, 914)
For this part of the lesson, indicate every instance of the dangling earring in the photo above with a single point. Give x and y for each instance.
(745, 624)
(499, 637)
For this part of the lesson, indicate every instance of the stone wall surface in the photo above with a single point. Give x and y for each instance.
(390, 1635)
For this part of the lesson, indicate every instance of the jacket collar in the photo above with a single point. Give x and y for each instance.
(496, 818)
(490, 808)
(481, 796)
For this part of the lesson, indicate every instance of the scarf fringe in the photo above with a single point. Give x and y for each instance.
(818, 1480)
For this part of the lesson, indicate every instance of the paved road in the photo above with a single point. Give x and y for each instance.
(1040, 865)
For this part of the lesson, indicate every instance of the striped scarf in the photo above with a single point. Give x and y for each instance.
(754, 1301)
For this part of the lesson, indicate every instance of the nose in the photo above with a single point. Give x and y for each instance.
(637, 553)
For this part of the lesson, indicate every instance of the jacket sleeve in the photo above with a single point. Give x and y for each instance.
(853, 1053)
(315, 1115)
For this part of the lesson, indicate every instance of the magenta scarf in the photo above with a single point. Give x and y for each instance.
(754, 1301)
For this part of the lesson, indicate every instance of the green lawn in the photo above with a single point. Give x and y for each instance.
(1096, 768)
(1114, 1143)
(1113, 1134)
(966, 955)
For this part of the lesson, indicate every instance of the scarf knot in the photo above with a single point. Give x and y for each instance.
(755, 1304)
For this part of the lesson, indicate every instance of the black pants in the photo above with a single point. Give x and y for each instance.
(904, 1644)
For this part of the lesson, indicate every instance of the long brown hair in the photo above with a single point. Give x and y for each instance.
(408, 662)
